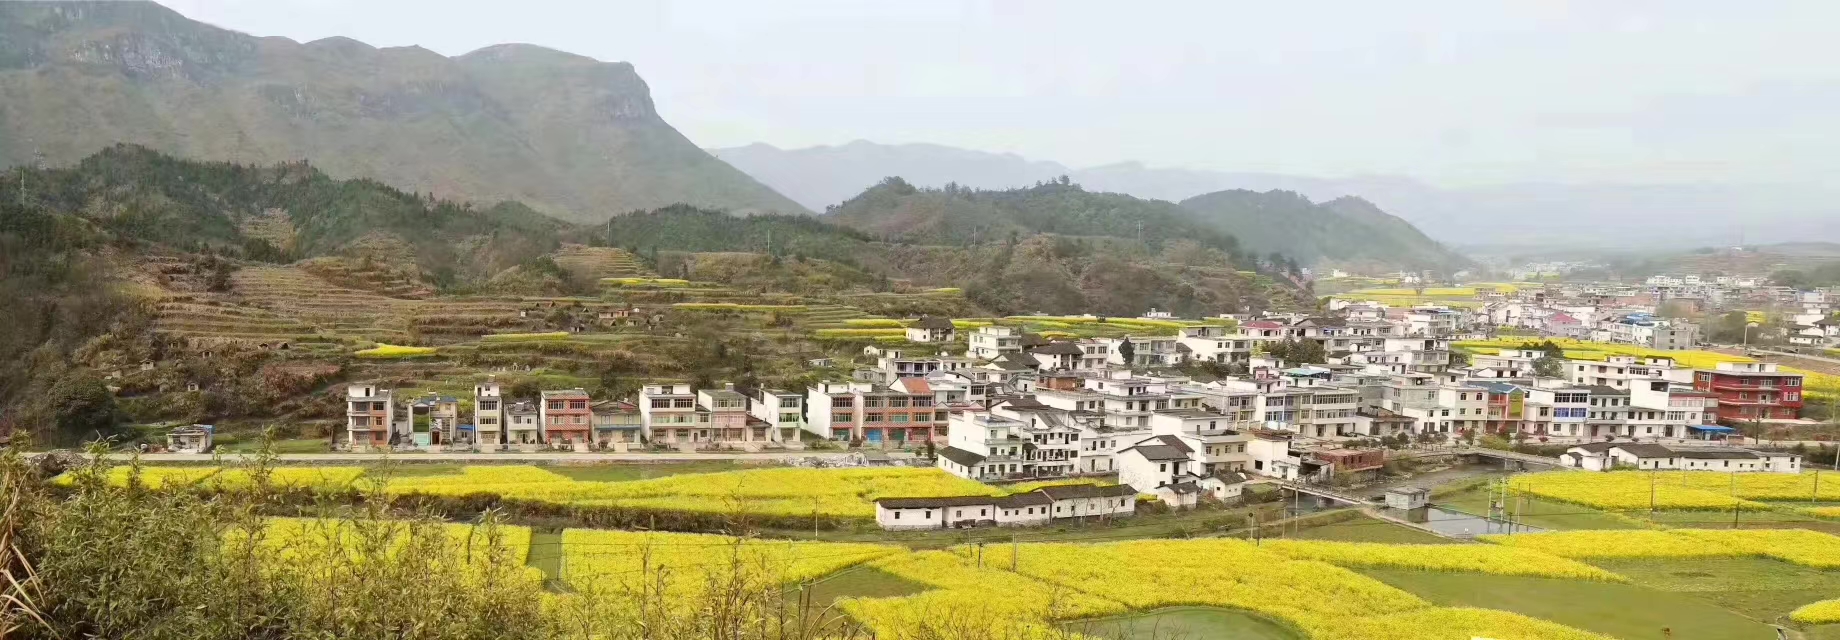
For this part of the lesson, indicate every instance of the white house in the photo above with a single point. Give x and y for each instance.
(931, 329)
(1156, 462)
(1085, 500)
(988, 342)
(899, 514)
(488, 416)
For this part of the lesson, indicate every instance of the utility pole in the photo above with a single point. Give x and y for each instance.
(1734, 499)
(1015, 554)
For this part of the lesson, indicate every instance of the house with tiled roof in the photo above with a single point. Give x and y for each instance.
(931, 329)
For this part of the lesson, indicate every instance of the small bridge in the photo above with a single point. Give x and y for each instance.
(1320, 492)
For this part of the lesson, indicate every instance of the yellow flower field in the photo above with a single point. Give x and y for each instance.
(838, 493)
(1495, 559)
(1823, 612)
(1636, 543)
(858, 333)
(619, 561)
(1060, 582)
(990, 597)
(1638, 490)
(778, 491)
(394, 351)
(1823, 512)
(1587, 350)
(525, 337)
(874, 323)
(1798, 546)
(1450, 622)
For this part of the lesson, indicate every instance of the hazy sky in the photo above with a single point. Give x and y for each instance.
(1455, 92)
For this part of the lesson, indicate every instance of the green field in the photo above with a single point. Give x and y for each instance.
(1757, 588)
(1631, 612)
(1184, 622)
(860, 582)
(1365, 529)
(1544, 514)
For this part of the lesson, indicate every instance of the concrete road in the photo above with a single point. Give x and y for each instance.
(486, 458)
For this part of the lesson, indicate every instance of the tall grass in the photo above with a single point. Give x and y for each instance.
(95, 558)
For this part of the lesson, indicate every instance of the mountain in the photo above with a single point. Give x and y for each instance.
(1346, 232)
(822, 176)
(567, 135)
(1525, 214)
(901, 212)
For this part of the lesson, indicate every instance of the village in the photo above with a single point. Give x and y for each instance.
(1288, 398)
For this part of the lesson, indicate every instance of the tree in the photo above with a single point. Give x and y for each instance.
(1308, 352)
(526, 389)
(1548, 367)
(1127, 351)
(81, 406)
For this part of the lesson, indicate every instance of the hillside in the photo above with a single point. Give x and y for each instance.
(567, 135)
(899, 211)
(143, 288)
(1004, 269)
(824, 176)
(1346, 232)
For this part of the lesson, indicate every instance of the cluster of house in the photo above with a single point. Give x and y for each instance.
(1014, 406)
(1605, 456)
(1627, 314)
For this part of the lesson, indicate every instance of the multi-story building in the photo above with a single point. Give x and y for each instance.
(991, 341)
(669, 412)
(722, 418)
(370, 416)
(523, 424)
(1617, 372)
(985, 446)
(1752, 391)
(488, 416)
(566, 419)
(782, 411)
(876, 415)
(617, 422)
(1215, 344)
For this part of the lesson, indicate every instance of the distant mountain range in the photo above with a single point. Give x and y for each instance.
(1530, 214)
(994, 194)
(568, 135)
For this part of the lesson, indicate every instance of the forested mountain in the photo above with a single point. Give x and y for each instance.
(899, 211)
(1020, 272)
(567, 135)
(99, 259)
(1346, 232)
(821, 176)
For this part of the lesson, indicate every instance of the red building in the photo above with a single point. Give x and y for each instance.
(1752, 391)
(566, 417)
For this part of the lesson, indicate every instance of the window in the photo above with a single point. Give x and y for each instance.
(788, 417)
(683, 403)
(897, 515)
(661, 403)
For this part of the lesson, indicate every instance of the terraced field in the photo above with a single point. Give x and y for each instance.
(600, 262)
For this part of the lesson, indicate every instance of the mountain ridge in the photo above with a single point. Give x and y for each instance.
(1531, 214)
(573, 137)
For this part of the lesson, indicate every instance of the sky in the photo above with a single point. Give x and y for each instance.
(1452, 92)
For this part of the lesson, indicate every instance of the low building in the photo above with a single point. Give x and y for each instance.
(192, 439)
(931, 329)
(1407, 498)
(1033, 508)
(1607, 456)
(902, 514)
(1086, 501)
